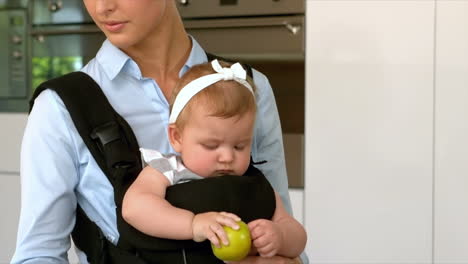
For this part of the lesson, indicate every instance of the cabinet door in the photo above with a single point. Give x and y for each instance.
(451, 130)
(10, 208)
(369, 131)
(11, 134)
(10, 195)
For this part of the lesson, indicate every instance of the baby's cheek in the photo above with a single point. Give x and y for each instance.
(199, 166)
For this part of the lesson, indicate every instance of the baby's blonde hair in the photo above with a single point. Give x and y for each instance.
(223, 99)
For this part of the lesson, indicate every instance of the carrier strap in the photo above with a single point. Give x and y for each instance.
(113, 145)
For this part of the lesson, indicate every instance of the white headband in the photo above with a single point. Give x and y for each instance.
(235, 72)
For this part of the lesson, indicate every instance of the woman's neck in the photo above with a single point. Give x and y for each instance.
(162, 56)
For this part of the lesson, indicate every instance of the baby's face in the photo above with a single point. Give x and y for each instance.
(213, 146)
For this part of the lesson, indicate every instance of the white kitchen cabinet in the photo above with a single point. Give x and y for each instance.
(297, 204)
(11, 134)
(451, 130)
(369, 131)
(10, 209)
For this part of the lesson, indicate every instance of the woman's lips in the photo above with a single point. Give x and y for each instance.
(114, 26)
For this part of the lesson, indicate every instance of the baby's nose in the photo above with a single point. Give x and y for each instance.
(226, 156)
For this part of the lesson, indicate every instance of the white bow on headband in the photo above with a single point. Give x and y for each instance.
(235, 72)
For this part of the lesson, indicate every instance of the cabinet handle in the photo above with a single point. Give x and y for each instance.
(294, 29)
(184, 2)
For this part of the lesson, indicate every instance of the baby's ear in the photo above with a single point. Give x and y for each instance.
(175, 137)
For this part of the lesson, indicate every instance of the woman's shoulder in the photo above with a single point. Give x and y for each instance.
(48, 117)
(95, 70)
(48, 103)
(261, 81)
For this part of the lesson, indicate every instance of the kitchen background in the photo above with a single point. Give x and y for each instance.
(385, 131)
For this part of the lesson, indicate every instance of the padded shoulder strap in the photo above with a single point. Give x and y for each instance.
(96, 121)
(110, 140)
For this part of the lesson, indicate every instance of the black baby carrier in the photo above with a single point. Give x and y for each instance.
(113, 145)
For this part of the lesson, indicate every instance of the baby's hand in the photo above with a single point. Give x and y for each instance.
(267, 237)
(210, 226)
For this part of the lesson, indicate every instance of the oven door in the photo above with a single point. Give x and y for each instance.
(60, 50)
(239, 8)
(58, 12)
(63, 38)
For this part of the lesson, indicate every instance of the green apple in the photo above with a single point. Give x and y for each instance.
(239, 244)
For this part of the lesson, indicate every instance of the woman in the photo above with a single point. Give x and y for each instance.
(146, 51)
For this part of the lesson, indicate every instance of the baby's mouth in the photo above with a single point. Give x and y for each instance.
(224, 172)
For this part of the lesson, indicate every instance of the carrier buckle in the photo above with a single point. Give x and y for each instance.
(106, 133)
(123, 165)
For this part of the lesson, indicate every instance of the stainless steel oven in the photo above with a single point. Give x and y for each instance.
(60, 37)
(63, 38)
(13, 54)
(47, 38)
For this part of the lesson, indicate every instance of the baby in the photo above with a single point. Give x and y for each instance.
(211, 126)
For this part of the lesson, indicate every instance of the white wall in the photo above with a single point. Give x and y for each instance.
(386, 131)
(451, 130)
(10, 197)
(369, 103)
(12, 126)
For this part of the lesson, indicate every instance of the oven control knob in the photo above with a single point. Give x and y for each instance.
(17, 55)
(40, 38)
(55, 6)
(16, 39)
(184, 2)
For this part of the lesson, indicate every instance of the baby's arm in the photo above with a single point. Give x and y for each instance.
(283, 235)
(145, 208)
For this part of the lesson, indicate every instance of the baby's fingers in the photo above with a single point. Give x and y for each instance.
(213, 238)
(260, 242)
(231, 215)
(218, 232)
(228, 219)
(267, 251)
